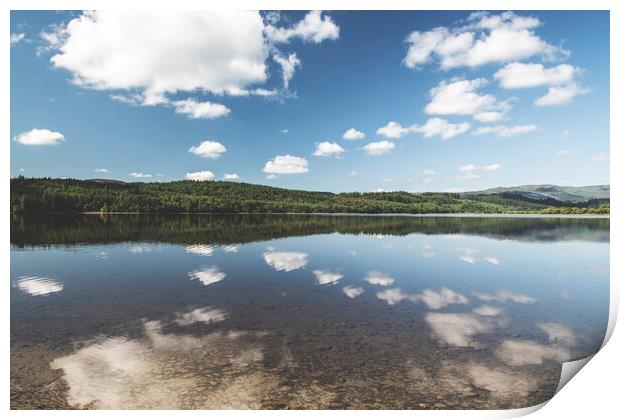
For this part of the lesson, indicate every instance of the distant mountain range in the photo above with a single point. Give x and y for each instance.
(556, 192)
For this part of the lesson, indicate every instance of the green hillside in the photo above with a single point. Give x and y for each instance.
(45, 195)
(561, 193)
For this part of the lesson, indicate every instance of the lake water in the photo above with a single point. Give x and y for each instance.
(288, 311)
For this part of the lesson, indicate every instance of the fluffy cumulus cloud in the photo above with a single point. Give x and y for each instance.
(432, 127)
(560, 95)
(286, 164)
(503, 131)
(208, 149)
(200, 176)
(315, 27)
(393, 130)
(231, 177)
(163, 52)
(442, 128)
(494, 167)
(527, 75)
(353, 134)
(40, 137)
(378, 148)
(16, 38)
(102, 170)
(288, 65)
(144, 58)
(140, 175)
(485, 38)
(460, 97)
(196, 109)
(560, 79)
(327, 149)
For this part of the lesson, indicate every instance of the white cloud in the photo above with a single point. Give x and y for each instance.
(207, 275)
(503, 131)
(145, 57)
(231, 177)
(160, 52)
(327, 149)
(489, 116)
(288, 66)
(561, 152)
(200, 176)
(353, 134)
(286, 261)
(17, 37)
(393, 130)
(327, 277)
(102, 170)
(37, 285)
(352, 291)
(284, 131)
(560, 95)
(378, 278)
(208, 149)
(353, 173)
(459, 97)
(40, 137)
(286, 164)
(484, 39)
(271, 176)
(602, 157)
(470, 167)
(314, 27)
(140, 175)
(442, 128)
(195, 109)
(493, 167)
(526, 75)
(504, 296)
(378, 148)
(429, 172)
(432, 127)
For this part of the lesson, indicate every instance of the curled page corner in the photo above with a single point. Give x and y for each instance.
(570, 369)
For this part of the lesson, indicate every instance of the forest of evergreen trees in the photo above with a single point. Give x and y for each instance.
(46, 195)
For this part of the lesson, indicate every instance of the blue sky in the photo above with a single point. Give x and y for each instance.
(446, 101)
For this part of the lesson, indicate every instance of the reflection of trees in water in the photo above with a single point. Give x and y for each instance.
(241, 228)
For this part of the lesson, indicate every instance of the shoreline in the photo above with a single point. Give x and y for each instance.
(447, 215)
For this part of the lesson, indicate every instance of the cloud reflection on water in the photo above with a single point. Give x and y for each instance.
(327, 277)
(38, 285)
(286, 261)
(207, 275)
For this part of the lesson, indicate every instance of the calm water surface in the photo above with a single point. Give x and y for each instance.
(302, 311)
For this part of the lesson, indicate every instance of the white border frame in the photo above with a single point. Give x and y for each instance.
(594, 393)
